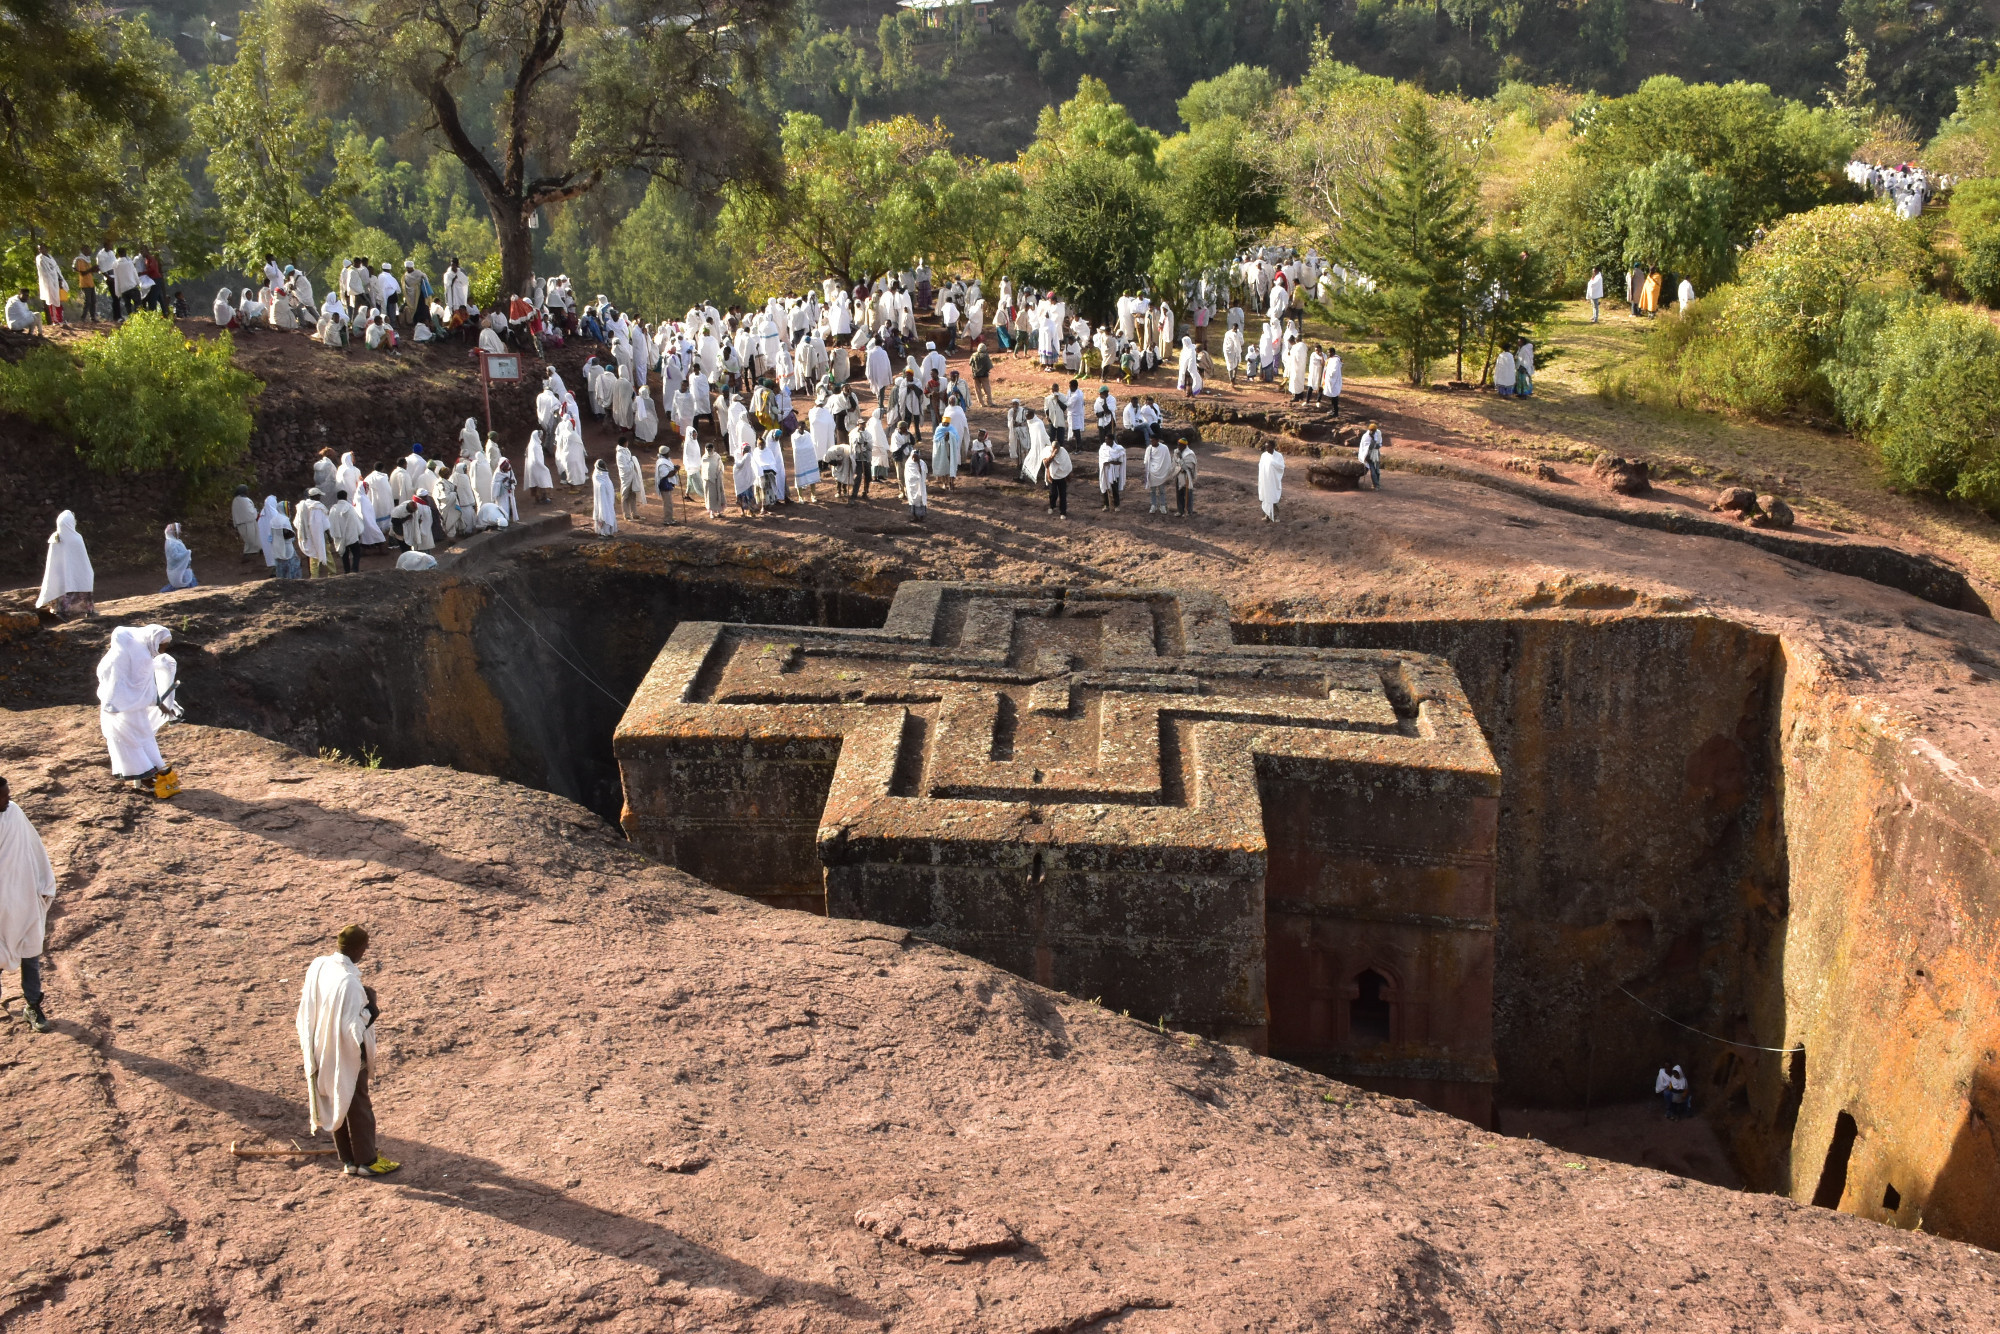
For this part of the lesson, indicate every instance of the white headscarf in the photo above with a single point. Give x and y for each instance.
(68, 567)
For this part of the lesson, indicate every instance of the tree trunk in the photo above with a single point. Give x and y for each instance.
(517, 247)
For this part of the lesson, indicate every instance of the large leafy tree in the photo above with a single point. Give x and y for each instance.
(577, 91)
(84, 105)
(1672, 213)
(1093, 224)
(1411, 237)
(280, 186)
(1778, 156)
(848, 203)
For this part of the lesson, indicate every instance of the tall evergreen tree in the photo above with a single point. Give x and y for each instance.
(1411, 238)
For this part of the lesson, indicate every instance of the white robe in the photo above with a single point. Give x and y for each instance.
(126, 693)
(805, 457)
(1270, 481)
(335, 1036)
(67, 569)
(603, 504)
(27, 886)
(534, 466)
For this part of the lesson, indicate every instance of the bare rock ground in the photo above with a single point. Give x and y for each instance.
(628, 1102)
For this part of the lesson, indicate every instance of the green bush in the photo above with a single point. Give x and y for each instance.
(140, 399)
(1921, 379)
(1975, 216)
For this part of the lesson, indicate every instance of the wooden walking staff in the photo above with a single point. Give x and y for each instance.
(294, 1152)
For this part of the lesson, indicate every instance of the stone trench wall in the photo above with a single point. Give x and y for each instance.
(1638, 837)
(1890, 982)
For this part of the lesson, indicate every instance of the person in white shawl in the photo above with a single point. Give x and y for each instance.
(1158, 464)
(344, 530)
(180, 561)
(946, 444)
(309, 518)
(1111, 472)
(665, 471)
(1330, 383)
(1189, 377)
(570, 459)
(693, 466)
(771, 468)
(468, 438)
(621, 398)
(915, 486)
(464, 497)
(1184, 474)
(645, 421)
(489, 341)
(69, 584)
(631, 486)
(1270, 480)
(1297, 360)
(128, 691)
(603, 502)
(225, 309)
(806, 458)
(535, 468)
(27, 887)
(481, 465)
(336, 1027)
(714, 480)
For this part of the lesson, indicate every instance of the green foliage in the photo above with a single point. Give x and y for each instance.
(1921, 379)
(1566, 216)
(88, 108)
(1513, 293)
(141, 398)
(1975, 216)
(1768, 343)
(1670, 213)
(849, 203)
(1778, 156)
(982, 219)
(1243, 91)
(658, 258)
(1093, 225)
(1412, 234)
(280, 187)
(1092, 124)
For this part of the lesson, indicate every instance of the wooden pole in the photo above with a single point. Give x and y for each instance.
(294, 1152)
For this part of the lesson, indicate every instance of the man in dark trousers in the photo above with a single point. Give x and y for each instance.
(337, 1033)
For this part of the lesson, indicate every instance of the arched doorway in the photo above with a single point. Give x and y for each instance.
(1368, 1012)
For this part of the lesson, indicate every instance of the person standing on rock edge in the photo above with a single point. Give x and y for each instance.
(27, 886)
(336, 1026)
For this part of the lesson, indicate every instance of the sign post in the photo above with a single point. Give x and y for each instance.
(502, 366)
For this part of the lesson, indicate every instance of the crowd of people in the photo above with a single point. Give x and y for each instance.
(835, 394)
(1904, 184)
(127, 283)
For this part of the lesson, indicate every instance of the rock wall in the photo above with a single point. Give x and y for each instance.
(1889, 973)
(1639, 836)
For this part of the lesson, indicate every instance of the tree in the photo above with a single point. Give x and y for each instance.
(577, 92)
(1243, 91)
(83, 106)
(1322, 141)
(1091, 123)
(1778, 156)
(1092, 222)
(983, 219)
(280, 185)
(1410, 238)
(1512, 295)
(1670, 213)
(849, 203)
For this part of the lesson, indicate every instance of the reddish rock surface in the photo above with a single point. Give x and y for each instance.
(565, 1023)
